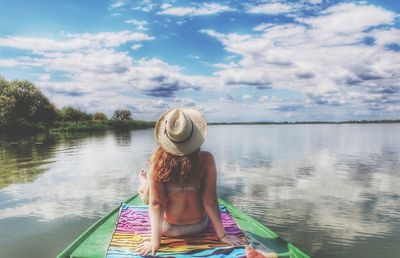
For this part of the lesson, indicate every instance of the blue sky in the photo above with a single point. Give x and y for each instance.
(233, 60)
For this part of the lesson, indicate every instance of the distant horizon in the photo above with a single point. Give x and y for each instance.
(310, 60)
(317, 122)
(304, 122)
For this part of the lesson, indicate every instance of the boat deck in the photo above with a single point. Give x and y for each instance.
(94, 241)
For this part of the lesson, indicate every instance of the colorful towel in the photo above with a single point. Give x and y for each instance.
(134, 226)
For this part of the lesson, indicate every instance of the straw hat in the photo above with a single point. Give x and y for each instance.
(181, 131)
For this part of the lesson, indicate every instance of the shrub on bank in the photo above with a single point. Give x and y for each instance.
(129, 124)
(99, 117)
(71, 114)
(24, 108)
(101, 125)
(79, 126)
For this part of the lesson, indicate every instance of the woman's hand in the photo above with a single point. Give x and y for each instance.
(232, 240)
(147, 247)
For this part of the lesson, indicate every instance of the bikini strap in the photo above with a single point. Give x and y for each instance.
(179, 188)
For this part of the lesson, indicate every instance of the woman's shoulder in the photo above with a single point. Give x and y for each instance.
(206, 156)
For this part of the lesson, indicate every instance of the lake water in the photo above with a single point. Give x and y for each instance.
(332, 190)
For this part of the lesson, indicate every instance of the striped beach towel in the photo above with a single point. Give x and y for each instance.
(133, 227)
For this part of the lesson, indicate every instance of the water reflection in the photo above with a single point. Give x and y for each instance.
(88, 176)
(22, 159)
(333, 190)
(123, 138)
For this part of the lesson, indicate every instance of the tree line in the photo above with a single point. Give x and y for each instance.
(24, 107)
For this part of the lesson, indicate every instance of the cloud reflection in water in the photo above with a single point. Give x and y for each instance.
(319, 185)
(330, 189)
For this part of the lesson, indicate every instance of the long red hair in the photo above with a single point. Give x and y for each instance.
(168, 168)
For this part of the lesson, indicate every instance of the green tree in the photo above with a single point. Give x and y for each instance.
(23, 105)
(99, 117)
(71, 114)
(3, 85)
(122, 115)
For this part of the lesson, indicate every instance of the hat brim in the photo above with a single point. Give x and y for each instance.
(192, 144)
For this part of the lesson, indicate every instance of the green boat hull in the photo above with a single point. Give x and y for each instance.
(94, 241)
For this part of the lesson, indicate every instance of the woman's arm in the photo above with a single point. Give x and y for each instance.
(157, 204)
(209, 195)
(210, 200)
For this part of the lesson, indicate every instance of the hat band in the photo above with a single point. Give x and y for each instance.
(175, 141)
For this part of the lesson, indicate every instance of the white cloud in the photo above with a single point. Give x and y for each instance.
(118, 4)
(263, 26)
(270, 8)
(323, 58)
(141, 25)
(246, 97)
(202, 9)
(193, 57)
(72, 42)
(227, 97)
(315, 1)
(386, 37)
(263, 99)
(184, 102)
(136, 46)
(165, 6)
(326, 59)
(144, 5)
(91, 63)
(8, 62)
(45, 77)
(350, 18)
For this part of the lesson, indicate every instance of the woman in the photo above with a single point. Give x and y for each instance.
(182, 181)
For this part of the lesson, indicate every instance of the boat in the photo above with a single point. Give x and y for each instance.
(95, 241)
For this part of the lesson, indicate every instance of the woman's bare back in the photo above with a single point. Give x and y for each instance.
(186, 207)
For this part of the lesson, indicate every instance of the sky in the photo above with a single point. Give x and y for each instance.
(235, 61)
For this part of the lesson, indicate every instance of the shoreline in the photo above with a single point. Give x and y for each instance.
(98, 126)
(84, 126)
(396, 121)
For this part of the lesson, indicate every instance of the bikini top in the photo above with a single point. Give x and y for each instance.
(179, 188)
